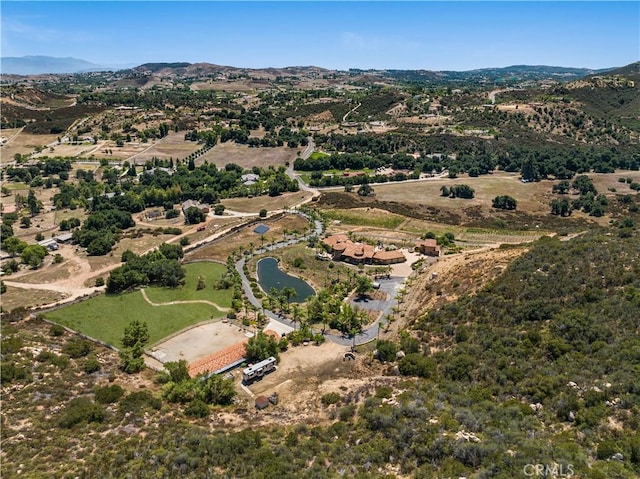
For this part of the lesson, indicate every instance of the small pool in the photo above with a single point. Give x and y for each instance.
(271, 276)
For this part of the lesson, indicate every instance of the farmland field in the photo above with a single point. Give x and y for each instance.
(270, 203)
(368, 217)
(247, 157)
(105, 317)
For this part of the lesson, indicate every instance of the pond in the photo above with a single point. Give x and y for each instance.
(271, 276)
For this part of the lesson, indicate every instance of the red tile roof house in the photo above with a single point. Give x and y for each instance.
(346, 250)
(429, 247)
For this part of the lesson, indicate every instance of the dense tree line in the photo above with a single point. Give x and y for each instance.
(160, 267)
(474, 156)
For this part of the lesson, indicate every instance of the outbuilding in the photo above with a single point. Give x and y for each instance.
(262, 402)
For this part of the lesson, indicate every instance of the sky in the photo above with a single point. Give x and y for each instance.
(452, 35)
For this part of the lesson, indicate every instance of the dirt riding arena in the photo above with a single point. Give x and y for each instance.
(199, 342)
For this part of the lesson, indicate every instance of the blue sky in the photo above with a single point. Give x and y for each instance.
(405, 35)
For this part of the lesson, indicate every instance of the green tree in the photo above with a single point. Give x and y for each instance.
(33, 203)
(178, 370)
(137, 332)
(386, 350)
(363, 285)
(261, 346)
(505, 202)
(33, 255)
(365, 190)
(25, 222)
(193, 215)
(216, 390)
(13, 245)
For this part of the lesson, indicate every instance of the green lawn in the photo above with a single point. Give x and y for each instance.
(105, 317)
(211, 272)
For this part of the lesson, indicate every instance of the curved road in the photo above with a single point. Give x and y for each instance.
(391, 287)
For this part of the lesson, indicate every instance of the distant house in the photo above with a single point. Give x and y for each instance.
(429, 247)
(64, 237)
(249, 179)
(343, 249)
(50, 244)
(154, 215)
(204, 207)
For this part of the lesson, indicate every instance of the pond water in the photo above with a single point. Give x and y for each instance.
(271, 276)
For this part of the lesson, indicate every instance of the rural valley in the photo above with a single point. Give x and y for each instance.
(437, 274)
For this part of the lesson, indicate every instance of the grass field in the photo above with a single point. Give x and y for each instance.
(105, 317)
(210, 271)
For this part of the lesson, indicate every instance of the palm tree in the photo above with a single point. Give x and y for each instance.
(288, 292)
(296, 315)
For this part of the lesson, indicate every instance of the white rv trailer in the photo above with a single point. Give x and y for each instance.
(259, 369)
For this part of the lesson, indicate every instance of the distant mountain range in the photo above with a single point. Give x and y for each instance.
(34, 65)
(37, 65)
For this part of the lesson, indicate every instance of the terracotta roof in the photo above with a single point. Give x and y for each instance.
(359, 251)
(428, 242)
(388, 255)
(335, 240)
(219, 360)
(223, 358)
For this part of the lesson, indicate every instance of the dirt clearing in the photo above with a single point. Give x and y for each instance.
(247, 157)
(198, 342)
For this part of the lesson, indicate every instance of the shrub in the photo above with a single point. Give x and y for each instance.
(384, 392)
(56, 330)
(330, 398)
(60, 362)
(197, 408)
(108, 394)
(347, 412)
(386, 350)
(91, 365)
(10, 372)
(77, 348)
(99, 282)
(417, 365)
(81, 410)
(139, 400)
